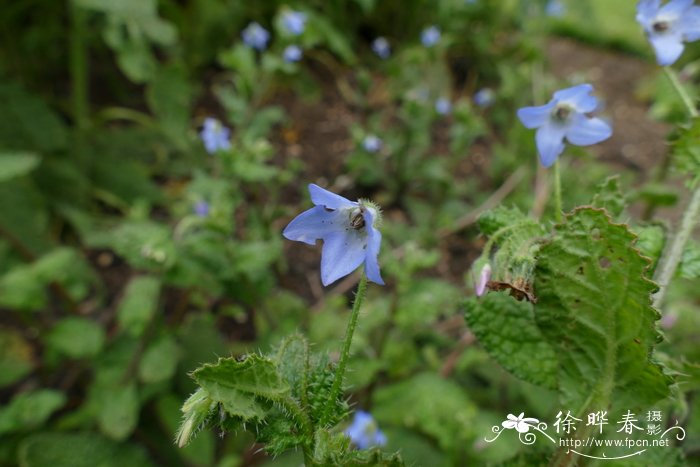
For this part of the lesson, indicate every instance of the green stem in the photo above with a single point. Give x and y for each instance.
(557, 192)
(682, 93)
(345, 353)
(674, 252)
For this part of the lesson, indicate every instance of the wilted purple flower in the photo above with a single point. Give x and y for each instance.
(348, 230)
(430, 36)
(215, 136)
(255, 36)
(294, 22)
(292, 53)
(565, 117)
(201, 208)
(381, 47)
(364, 432)
(555, 8)
(484, 97)
(372, 143)
(484, 277)
(443, 106)
(669, 26)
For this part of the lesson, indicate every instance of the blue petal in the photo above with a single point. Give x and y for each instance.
(675, 8)
(689, 24)
(668, 47)
(342, 253)
(647, 10)
(380, 438)
(585, 131)
(579, 97)
(534, 117)
(550, 143)
(314, 224)
(321, 197)
(374, 243)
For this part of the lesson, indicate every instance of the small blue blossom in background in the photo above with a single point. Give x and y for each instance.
(443, 106)
(255, 36)
(668, 27)
(292, 53)
(380, 46)
(430, 36)
(372, 143)
(201, 208)
(565, 117)
(294, 22)
(215, 136)
(348, 230)
(555, 8)
(484, 97)
(484, 277)
(364, 432)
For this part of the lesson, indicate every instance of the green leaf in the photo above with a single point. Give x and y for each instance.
(78, 450)
(30, 410)
(159, 361)
(143, 244)
(139, 304)
(685, 148)
(16, 356)
(429, 404)
(236, 385)
(118, 410)
(169, 96)
(507, 330)
(689, 267)
(16, 164)
(609, 197)
(77, 337)
(594, 307)
(650, 242)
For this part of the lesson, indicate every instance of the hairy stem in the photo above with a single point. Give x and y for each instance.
(682, 93)
(345, 353)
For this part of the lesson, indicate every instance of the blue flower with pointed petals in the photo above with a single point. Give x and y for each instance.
(565, 117)
(430, 36)
(294, 22)
(255, 36)
(364, 432)
(381, 47)
(669, 26)
(348, 230)
(292, 53)
(215, 136)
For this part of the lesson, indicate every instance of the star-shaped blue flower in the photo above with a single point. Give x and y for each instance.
(364, 432)
(292, 53)
(430, 36)
(565, 117)
(669, 26)
(294, 22)
(348, 230)
(215, 136)
(255, 36)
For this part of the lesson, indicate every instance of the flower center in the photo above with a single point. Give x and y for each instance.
(660, 26)
(561, 113)
(357, 221)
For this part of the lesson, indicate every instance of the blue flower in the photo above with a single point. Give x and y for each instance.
(430, 36)
(484, 277)
(381, 47)
(565, 117)
(215, 136)
(255, 36)
(201, 208)
(484, 97)
(348, 231)
(292, 53)
(443, 106)
(669, 26)
(372, 143)
(364, 432)
(555, 8)
(294, 22)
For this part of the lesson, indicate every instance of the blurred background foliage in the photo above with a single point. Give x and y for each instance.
(113, 285)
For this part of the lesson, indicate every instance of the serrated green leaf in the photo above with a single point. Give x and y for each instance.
(650, 242)
(496, 219)
(78, 450)
(139, 304)
(77, 337)
(30, 410)
(609, 197)
(16, 164)
(507, 330)
(159, 361)
(594, 307)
